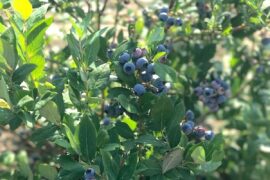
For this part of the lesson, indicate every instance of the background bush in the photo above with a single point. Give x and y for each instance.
(68, 105)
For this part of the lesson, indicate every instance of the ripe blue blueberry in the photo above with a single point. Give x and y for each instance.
(146, 77)
(191, 123)
(221, 99)
(158, 83)
(209, 135)
(129, 68)
(178, 22)
(164, 10)
(139, 89)
(199, 132)
(163, 16)
(266, 41)
(123, 58)
(190, 115)
(187, 128)
(161, 48)
(208, 92)
(170, 21)
(106, 121)
(89, 174)
(119, 110)
(198, 91)
(141, 63)
(150, 68)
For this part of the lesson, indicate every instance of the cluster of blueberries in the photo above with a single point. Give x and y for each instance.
(137, 62)
(189, 128)
(89, 174)
(170, 21)
(213, 94)
(114, 109)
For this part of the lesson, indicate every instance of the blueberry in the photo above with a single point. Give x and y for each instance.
(199, 132)
(221, 99)
(163, 16)
(190, 115)
(158, 84)
(109, 53)
(164, 10)
(198, 91)
(191, 123)
(119, 110)
(209, 135)
(266, 41)
(208, 92)
(167, 87)
(178, 22)
(150, 68)
(161, 48)
(129, 68)
(139, 89)
(89, 174)
(137, 53)
(145, 76)
(260, 69)
(123, 58)
(109, 110)
(106, 121)
(170, 21)
(144, 52)
(141, 63)
(187, 128)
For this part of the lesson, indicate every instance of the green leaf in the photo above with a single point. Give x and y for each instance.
(149, 139)
(69, 164)
(125, 102)
(209, 166)
(35, 37)
(139, 24)
(22, 72)
(74, 47)
(25, 100)
(92, 48)
(128, 170)
(156, 35)
(4, 90)
(99, 78)
(172, 160)
(198, 155)
(37, 15)
(73, 139)
(43, 133)
(8, 51)
(162, 112)
(110, 167)
(124, 130)
(102, 138)
(39, 61)
(165, 72)
(47, 171)
(23, 164)
(149, 167)
(158, 56)
(173, 129)
(51, 113)
(87, 138)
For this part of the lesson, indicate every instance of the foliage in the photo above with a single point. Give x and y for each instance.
(83, 114)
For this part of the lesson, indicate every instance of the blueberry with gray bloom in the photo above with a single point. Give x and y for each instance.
(190, 115)
(150, 68)
(123, 58)
(163, 16)
(142, 63)
(161, 48)
(89, 174)
(164, 10)
(209, 135)
(178, 22)
(106, 121)
(187, 128)
(139, 89)
(170, 21)
(129, 68)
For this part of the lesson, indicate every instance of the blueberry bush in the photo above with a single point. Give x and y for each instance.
(135, 89)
